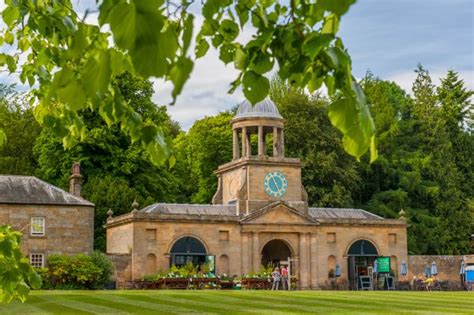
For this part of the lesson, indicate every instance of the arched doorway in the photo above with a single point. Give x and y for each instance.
(274, 252)
(150, 264)
(362, 255)
(187, 249)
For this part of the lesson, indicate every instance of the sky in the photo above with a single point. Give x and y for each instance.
(387, 37)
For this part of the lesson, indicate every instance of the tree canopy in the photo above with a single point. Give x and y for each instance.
(70, 64)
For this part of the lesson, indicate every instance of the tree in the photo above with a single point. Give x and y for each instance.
(207, 145)
(329, 175)
(418, 169)
(74, 63)
(19, 125)
(116, 171)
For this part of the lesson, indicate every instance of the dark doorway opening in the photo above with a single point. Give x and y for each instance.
(274, 252)
(362, 255)
(188, 249)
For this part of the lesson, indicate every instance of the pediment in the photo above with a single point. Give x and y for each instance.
(278, 213)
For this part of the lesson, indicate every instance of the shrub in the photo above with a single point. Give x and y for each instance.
(76, 272)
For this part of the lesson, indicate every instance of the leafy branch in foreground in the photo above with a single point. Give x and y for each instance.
(70, 64)
(16, 274)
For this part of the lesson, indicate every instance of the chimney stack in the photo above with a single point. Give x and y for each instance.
(75, 180)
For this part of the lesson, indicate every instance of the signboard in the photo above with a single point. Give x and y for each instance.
(211, 262)
(383, 264)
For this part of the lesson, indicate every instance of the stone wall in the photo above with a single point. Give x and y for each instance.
(448, 266)
(68, 229)
(122, 268)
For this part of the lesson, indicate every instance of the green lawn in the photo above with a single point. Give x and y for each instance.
(179, 302)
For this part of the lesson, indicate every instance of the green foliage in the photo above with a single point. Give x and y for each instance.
(425, 163)
(116, 171)
(77, 272)
(21, 129)
(329, 175)
(17, 276)
(71, 64)
(207, 145)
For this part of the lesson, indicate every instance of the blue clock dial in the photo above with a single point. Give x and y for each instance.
(275, 184)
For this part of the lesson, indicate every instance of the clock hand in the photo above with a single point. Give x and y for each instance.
(276, 186)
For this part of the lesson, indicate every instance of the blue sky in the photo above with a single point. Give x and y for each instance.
(389, 37)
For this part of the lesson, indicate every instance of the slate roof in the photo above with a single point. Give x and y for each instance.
(190, 209)
(265, 108)
(342, 213)
(31, 190)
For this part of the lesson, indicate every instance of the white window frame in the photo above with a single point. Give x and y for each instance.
(38, 258)
(34, 221)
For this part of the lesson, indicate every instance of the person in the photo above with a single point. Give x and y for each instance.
(284, 277)
(276, 278)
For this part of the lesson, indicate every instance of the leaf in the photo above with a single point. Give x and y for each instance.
(352, 117)
(187, 32)
(3, 137)
(96, 73)
(122, 20)
(201, 48)
(331, 24)
(261, 63)
(229, 30)
(339, 7)
(240, 58)
(179, 74)
(255, 86)
(314, 43)
(10, 14)
(73, 94)
(226, 53)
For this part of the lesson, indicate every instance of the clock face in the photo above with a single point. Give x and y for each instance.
(275, 184)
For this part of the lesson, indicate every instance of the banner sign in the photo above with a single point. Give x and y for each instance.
(383, 264)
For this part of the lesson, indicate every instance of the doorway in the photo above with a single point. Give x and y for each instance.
(274, 252)
(362, 255)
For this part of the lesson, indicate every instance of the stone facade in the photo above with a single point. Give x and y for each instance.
(68, 229)
(448, 265)
(51, 220)
(259, 215)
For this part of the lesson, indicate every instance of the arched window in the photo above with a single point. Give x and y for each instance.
(331, 266)
(394, 264)
(188, 249)
(362, 248)
(223, 265)
(150, 264)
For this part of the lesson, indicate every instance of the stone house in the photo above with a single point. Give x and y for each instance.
(259, 216)
(52, 220)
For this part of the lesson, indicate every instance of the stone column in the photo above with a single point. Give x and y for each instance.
(255, 252)
(244, 142)
(245, 253)
(303, 249)
(282, 143)
(275, 141)
(314, 261)
(261, 141)
(236, 150)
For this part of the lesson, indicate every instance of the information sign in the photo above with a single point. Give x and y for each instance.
(383, 264)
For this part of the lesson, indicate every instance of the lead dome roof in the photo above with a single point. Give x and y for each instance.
(265, 109)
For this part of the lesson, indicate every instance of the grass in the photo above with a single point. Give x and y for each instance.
(257, 302)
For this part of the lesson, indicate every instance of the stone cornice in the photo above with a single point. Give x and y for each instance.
(256, 160)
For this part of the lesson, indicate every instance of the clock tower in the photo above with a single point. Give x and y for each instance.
(259, 172)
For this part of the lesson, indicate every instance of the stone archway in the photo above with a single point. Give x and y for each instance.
(275, 251)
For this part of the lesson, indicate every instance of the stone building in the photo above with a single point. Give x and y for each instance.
(52, 220)
(259, 215)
